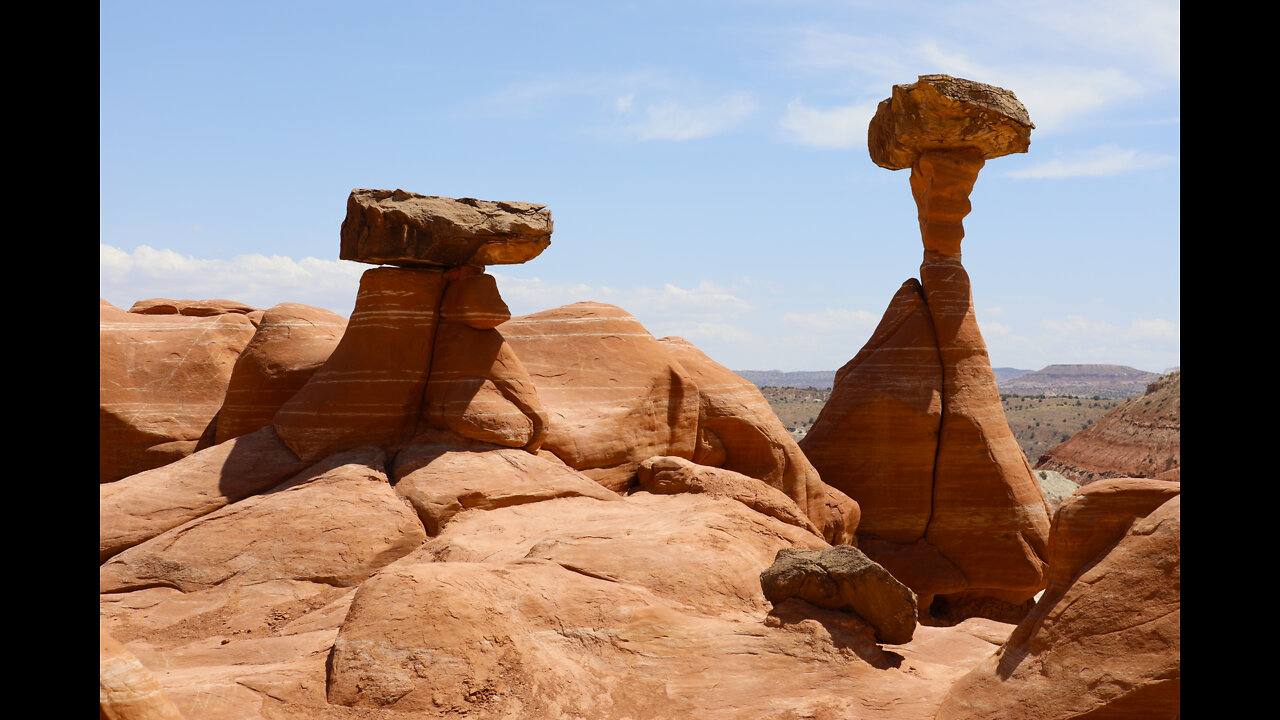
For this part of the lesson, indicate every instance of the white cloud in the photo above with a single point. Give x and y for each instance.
(833, 320)
(259, 280)
(669, 303)
(1101, 161)
(678, 121)
(1146, 344)
(840, 127)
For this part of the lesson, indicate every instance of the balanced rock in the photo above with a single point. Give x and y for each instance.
(162, 378)
(914, 430)
(1105, 639)
(394, 227)
(291, 343)
(844, 578)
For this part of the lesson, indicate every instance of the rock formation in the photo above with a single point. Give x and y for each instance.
(162, 378)
(1105, 639)
(1141, 437)
(914, 430)
(844, 578)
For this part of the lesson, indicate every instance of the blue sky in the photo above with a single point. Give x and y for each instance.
(705, 162)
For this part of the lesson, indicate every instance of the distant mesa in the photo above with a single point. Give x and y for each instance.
(394, 227)
(1109, 381)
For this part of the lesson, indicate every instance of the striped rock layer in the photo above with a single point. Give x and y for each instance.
(162, 378)
(291, 343)
(914, 431)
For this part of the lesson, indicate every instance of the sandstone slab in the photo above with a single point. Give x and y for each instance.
(127, 690)
(394, 227)
(342, 525)
(142, 506)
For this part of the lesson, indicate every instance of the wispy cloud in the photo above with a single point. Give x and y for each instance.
(675, 120)
(839, 127)
(1146, 344)
(259, 280)
(1101, 161)
(833, 320)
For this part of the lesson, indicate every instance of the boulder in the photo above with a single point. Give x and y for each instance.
(1104, 644)
(142, 506)
(193, 308)
(843, 578)
(291, 343)
(612, 393)
(394, 227)
(738, 431)
(162, 378)
(370, 391)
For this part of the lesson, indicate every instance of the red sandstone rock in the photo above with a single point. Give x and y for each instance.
(291, 343)
(478, 388)
(612, 393)
(876, 439)
(443, 480)
(670, 475)
(989, 514)
(370, 391)
(336, 528)
(738, 431)
(404, 228)
(127, 690)
(162, 379)
(193, 308)
(1141, 437)
(1105, 640)
(142, 506)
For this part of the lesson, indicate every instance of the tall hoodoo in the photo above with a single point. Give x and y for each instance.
(963, 517)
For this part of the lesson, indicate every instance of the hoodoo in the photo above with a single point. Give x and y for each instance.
(914, 430)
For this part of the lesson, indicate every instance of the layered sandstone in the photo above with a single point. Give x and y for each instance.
(1141, 437)
(291, 343)
(1105, 639)
(394, 227)
(914, 430)
(161, 380)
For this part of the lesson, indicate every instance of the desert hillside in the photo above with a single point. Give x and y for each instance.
(1139, 438)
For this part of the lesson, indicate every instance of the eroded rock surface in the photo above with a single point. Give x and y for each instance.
(843, 578)
(1105, 639)
(162, 378)
(394, 227)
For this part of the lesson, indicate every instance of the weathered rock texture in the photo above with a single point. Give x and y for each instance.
(127, 690)
(843, 578)
(1105, 640)
(161, 379)
(195, 308)
(395, 227)
(1141, 437)
(914, 430)
(291, 343)
(738, 431)
(613, 394)
(370, 391)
